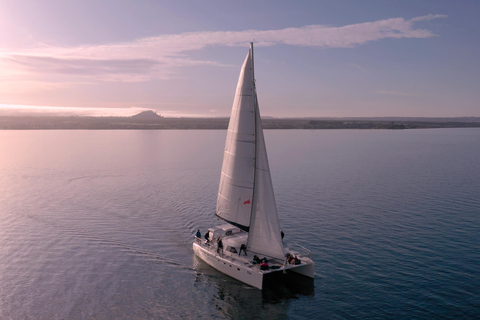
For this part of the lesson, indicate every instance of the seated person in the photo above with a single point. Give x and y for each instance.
(291, 259)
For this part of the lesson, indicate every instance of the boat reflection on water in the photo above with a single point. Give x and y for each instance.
(233, 299)
(287, 286)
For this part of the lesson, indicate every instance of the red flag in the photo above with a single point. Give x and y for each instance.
(247, 202)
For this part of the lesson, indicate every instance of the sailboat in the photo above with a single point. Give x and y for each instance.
(249, 245)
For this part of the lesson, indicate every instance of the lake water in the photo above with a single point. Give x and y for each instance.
(99, 225)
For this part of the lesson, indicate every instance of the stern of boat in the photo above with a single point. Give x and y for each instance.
(307, 269)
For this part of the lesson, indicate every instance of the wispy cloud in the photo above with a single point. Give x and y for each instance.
(15, 110)
(397, 93)
(154, 57)
(83, 66)
(116, 69)
(358, 67)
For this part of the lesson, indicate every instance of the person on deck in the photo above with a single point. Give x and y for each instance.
(219, 246)
(198, 236)
(291, 259)
(244, 248)
(264, 265)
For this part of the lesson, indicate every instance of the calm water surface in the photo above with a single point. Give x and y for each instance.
(99, 225)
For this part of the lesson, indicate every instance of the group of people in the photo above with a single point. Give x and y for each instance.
(207, 238)
(293, 259)
(262, 262)
(198, 235)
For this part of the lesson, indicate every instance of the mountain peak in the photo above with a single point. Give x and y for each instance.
(147, 115)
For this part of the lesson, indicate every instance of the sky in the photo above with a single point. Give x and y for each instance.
(313, 58)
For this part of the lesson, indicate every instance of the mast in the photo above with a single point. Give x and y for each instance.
(253, 68)
(255, 135)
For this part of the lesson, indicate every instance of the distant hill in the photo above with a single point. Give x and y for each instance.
(147, 115)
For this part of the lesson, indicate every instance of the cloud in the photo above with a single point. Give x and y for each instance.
(154, 57)
(396, 93)
(358, 67)
(83, 66)
(15, 110)
(428, 17)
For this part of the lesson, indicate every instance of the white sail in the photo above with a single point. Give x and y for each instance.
(245, 196)
(235, 193)
(264, 236)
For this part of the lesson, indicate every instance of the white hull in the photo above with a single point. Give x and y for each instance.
(226, 265)
(241, 267)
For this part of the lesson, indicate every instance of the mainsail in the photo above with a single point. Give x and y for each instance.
(245, 195)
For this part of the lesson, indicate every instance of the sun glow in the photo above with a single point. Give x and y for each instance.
(23, 110)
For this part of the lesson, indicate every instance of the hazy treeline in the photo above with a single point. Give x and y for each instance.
(106, 123)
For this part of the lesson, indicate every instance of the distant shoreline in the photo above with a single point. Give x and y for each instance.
(160, 123)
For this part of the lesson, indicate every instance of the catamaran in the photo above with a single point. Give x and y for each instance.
(249, 245)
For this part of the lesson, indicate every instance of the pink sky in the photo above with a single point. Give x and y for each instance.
(368, 67)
